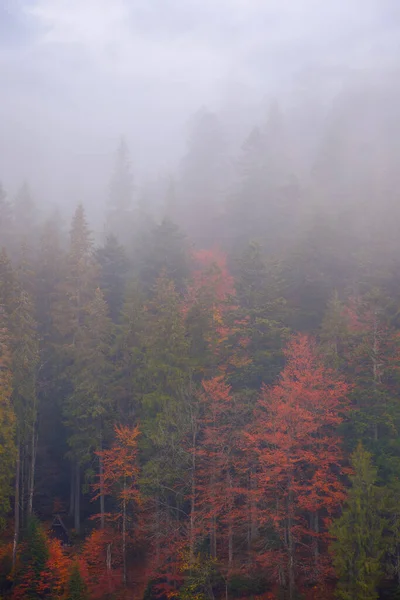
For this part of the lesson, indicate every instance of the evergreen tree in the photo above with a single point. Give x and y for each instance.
(33, 560)
(25, 363)
(261, 312)
(114, 266)
(76, 586)
(166, 251)
(75, 292)
(7, 425)
(89, 407)
(360, 542)
(129, 359)
(8, 284)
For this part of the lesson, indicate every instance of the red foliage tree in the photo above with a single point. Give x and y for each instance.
(101, 564)
(119, 480)
(217, 339)
(299, 463)
(221, 511)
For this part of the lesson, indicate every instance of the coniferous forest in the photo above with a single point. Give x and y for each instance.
(200, 399)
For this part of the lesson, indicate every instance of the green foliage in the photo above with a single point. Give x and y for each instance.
(33, 559)
(360, 533)
(7, 428)
(202, 576)
(166, 252)
(89, 407)
(262, 312)
(76, 586)
(114, 266)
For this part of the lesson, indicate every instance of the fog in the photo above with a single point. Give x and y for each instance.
(76, 76)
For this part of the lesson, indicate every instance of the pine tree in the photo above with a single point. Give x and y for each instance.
(360, 544)
(7, 424)
(74, 293)
(76, 586)
(89, 407)
(262, 313)
(25, 363)
(129, 355)
(32, 562)
(166, 251)
(8, 284)
(114, 266)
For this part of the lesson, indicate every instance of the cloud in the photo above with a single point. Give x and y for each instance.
(81, 72)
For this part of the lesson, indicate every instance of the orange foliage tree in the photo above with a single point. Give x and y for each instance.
(299, 464)
(217, 339)
(120, 480)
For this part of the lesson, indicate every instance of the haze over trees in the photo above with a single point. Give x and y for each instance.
(200, 372)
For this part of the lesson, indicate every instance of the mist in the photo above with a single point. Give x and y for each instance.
(78, 76)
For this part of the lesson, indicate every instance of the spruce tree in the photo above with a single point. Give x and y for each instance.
(113, 266)
(74, 293)
(77, 589)
(7, 424)
(32, 562)
(360, 542)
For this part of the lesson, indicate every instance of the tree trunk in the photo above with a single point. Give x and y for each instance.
(16, 506)
(72, 491)
(21, 502)
(157, 529)
(290, 546)
(193, 500)
(77, 508)
(32, 471)
(124, 537)
(316, 529)
(213, 537)
(108, 567)
(230, 522)
(102, 506)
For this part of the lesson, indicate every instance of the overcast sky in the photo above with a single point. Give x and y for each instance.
(76, 74)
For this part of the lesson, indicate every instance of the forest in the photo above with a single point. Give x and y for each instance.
(200, 398)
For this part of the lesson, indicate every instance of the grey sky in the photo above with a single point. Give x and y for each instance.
(75, 74)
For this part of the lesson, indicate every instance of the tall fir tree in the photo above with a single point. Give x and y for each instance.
(113, 270)
(7, 424)
(360, 544)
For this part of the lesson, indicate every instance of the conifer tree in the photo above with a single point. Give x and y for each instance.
(360, 542)
(25, 361)
(89, 407)
(113, 267)
(262, 313)
(32, 561)
(74, 293)
(7, 424)
(76, 585)
(166, 251)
